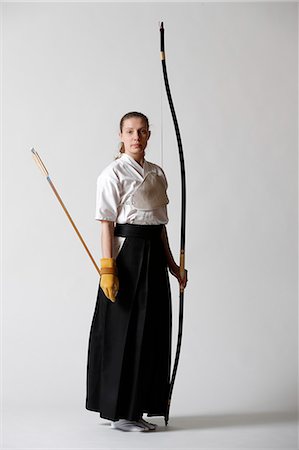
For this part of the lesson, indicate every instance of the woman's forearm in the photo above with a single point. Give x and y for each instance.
(170, 260)
(173, 267)
(107, 234)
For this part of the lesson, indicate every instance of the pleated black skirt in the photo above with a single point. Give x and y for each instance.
(129, 350)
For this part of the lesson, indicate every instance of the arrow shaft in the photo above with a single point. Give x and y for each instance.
(45, 172)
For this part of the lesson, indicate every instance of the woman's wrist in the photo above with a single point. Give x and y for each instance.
(172, 265)
(108, 262)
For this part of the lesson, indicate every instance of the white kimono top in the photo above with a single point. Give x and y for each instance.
(129, 193)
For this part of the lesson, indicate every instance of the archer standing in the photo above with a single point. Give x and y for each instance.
(129, 352)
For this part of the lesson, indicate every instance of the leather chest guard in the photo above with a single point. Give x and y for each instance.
(151, 193)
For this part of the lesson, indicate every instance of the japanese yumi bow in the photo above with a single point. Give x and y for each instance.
(183, 216)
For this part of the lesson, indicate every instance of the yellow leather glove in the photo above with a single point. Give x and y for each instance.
(109, 280)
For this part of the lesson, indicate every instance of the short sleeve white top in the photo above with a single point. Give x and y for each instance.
(129, 193)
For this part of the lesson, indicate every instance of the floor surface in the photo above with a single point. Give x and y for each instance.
(34, 429)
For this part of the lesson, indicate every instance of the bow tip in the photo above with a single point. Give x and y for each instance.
(161, 26)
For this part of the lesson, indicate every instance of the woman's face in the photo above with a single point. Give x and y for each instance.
(135, 135)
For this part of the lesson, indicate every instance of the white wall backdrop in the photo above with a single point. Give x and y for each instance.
(70, 71)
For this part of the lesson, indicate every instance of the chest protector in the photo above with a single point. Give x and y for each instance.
(151, 193)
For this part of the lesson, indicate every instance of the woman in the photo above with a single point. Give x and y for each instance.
(129, 352)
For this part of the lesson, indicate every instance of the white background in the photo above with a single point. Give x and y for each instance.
(70, 71)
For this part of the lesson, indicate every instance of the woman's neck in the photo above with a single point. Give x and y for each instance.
(138, 158)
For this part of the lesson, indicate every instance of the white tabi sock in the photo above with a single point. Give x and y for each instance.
(151, 426)
(129, 425)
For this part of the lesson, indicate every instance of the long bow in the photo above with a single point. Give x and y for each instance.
(183, 218)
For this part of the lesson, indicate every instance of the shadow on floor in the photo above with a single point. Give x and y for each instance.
(236, 419)
(209, 421)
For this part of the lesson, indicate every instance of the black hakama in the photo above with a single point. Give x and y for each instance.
(129, 352)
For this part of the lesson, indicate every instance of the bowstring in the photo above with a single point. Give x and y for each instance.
(161, 121)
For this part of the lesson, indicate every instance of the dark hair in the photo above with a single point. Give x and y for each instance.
(129, 115)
